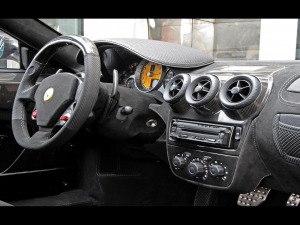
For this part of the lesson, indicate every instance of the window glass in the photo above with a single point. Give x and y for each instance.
(298, 42)
(9, 52)
(236, 39)
(65, 26)
(221, 38)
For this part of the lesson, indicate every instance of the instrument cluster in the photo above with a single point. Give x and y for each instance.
(146, 76)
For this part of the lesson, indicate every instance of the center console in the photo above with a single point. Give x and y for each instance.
(204, 152)
(210, 118)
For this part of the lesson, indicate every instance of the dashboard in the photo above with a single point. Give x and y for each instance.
(229, 125)
(135, 72)
(226, 125)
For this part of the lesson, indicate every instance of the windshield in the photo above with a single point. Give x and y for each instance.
(224, 39)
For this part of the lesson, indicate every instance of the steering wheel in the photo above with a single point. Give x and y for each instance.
(62, 100)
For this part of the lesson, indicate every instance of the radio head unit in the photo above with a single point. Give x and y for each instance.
(200, 132)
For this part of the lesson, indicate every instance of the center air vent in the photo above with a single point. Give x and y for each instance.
(202, 90)
(176, 88)
(240, 91)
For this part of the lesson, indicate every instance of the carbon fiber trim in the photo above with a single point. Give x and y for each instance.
(165, 53)
(206, 197)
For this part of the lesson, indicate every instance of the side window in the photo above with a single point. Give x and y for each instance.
(9, 52)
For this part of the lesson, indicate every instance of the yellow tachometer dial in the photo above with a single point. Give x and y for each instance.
(150, 75)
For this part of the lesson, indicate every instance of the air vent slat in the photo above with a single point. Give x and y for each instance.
(243, 96)
(175, 87)
(205, 89)
(201, 90)
(238, 91)
(244, 87)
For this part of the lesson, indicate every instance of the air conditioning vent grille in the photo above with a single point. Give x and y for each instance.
(175, 87)
(201, 90)
(238, 91)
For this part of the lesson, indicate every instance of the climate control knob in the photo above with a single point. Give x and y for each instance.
(178, 162)
(196, 169)
(216, 170)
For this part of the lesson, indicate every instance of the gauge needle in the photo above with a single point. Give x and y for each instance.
(148, 82)
(151, 73)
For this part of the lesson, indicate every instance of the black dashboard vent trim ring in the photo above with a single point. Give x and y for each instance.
(240, 91)
(202, 90)
(176, 87)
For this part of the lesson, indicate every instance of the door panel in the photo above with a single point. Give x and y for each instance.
(9, 82)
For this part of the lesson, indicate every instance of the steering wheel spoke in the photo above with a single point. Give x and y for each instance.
(27, 95)
(78, 91)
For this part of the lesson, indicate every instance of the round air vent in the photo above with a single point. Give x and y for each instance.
(240, 91)
(176, 87)
(202, 90)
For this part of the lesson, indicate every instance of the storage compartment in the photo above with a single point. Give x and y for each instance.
(286, 135)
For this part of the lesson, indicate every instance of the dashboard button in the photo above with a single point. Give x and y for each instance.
(196, 169)
(178, 162)
(217, 170)
(211, 140)
(207, 159)
(238, 133)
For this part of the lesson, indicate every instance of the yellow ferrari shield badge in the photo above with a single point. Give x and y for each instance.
(48, 94)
